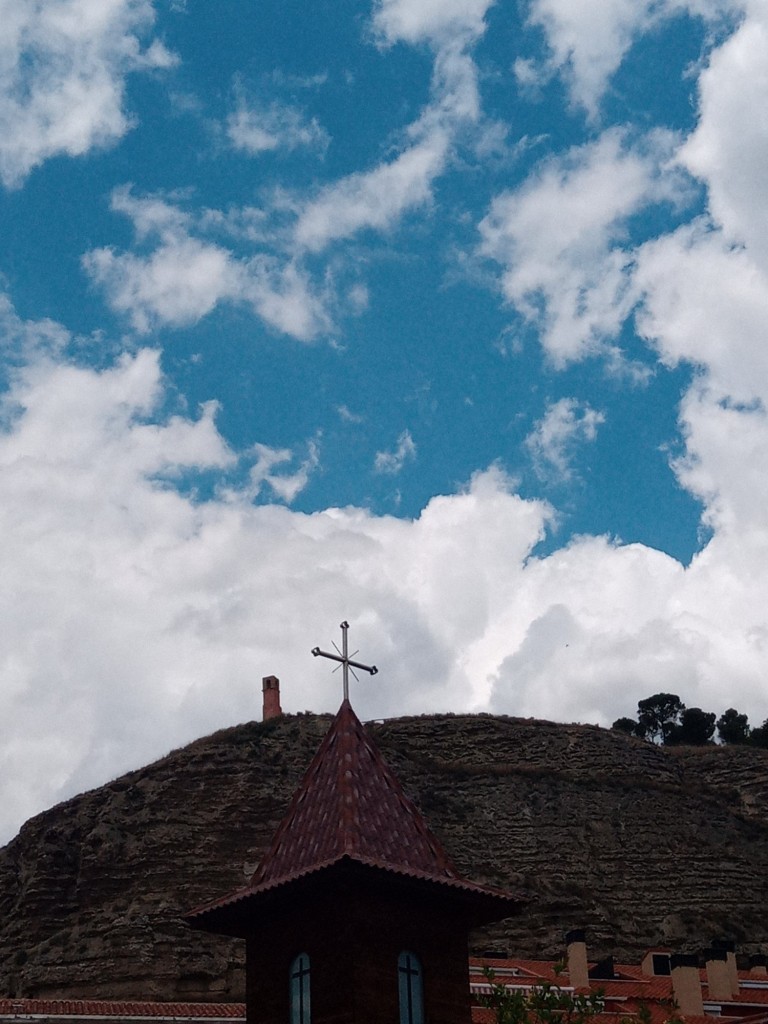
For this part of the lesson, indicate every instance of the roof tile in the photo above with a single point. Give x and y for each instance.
(349, 803)
(350, 807)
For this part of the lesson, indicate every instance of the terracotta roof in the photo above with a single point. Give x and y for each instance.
(625, 996)
(118, 1008)
(349, 802)
(350, 807)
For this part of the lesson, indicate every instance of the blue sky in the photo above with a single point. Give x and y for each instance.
(445, 317)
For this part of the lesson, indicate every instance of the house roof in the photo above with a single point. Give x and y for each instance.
(350, 807)
(122, 1009)
(630, 995)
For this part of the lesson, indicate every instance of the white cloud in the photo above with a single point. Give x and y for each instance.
(177, 284)
(188, 272)
(705, 295)
(393, 462)
(377, 199)
(373, 199)
(285, 486)
(729, 148)
(455, 94)
(137, 617)
(184, 277)
(358, 298)
(169, 609)
(561, 239)
(417, 21)
(277, 126)
(553, 441)
(588, 41)
(726, 466)
(63, 68)
(706, 302)
(150, 215)
(346, 414)
(283, 295)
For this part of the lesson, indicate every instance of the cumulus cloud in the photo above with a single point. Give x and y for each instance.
(729, 148)
(705, 292)
(139, 615)
(284, 485)
(588, 41)
(373, 199)
(347, 416)
(63, 69)
(188, 271)
(157, 597)
(434, 21)
(180, 270)
(553, 442)
(177, 284)
(706, 303)
(185, 274)
(606, 624)
(378, 198)
(393, 462)
(283, 294)
(561, 239)
(276, 126)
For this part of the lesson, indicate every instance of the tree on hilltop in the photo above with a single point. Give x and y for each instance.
(664, 719)
(658, 716)
(733, 727)
(759, 736)
(627, 725)
(696, 727)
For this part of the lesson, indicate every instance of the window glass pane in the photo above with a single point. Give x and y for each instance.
(299, 990)
(410, 989)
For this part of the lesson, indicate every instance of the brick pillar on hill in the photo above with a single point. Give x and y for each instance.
(270, 688)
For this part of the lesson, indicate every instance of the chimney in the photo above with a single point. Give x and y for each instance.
(270, 687)
(576, 952)
(758, 965)
(655, 963)
(718, 975)
(733, 971)
(686, 984)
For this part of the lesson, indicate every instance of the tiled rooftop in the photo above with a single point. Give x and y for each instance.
(625, 995)
(349, 805)
(131, 1009)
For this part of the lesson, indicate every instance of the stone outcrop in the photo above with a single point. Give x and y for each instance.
(636, 843)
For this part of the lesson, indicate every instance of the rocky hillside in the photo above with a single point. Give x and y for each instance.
(638, 844)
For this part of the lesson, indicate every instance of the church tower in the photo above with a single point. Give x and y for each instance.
(355, 915)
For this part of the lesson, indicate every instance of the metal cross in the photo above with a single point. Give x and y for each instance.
(345, 660)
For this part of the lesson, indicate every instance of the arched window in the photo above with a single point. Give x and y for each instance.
(299, 991)
(410, 988)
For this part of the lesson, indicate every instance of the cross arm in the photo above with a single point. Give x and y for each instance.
(327, 654)
(344, 661)
(366, 668)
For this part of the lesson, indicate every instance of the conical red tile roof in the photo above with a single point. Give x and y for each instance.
(349, 803)
(350, 808)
